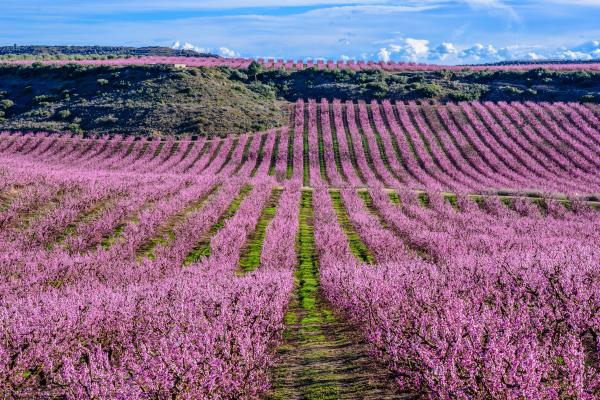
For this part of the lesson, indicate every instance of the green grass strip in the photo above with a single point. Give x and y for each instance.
(368, 200)
(260, 156)
(92, 213)
(274, 155)
(158, 150)
(229, 154)
(357, 247)
(407, 136)
(307, 273)
(245, 154)
(202, 248)
(189, 148)
(142, 151)
(172, 151)
(203, 151)
(421, 197)
(421, 135)
(250, 256)
(321, 143)
(305, 148)
(290, 160)
(452, 199)
(214, 154)
(394, 140)
(336, 145)
(351, 145)
(306, 326)
(365, 143)
(110, 240)
(166, 233)
(380, 145)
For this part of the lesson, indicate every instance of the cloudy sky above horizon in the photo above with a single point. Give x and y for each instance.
(432, 31)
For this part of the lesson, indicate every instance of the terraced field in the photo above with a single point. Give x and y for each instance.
(379, 251)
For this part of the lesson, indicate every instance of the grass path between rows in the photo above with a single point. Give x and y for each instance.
(322, 357)
(250, 255)
(202, 248)
(166, 232)
(358, 248)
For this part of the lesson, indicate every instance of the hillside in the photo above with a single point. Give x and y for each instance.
(48, 52)
(163, 99)
(535, 84)
(132, 100)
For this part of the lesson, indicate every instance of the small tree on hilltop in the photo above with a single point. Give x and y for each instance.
(254, 69)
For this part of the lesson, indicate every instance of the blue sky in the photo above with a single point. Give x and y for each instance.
(435, 31)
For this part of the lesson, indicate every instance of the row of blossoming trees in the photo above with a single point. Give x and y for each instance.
(120, 272)
(464, 147)
(244, 63)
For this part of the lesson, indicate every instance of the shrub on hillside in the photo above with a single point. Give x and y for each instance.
(265, 91)
(6, 104)
(428, 90)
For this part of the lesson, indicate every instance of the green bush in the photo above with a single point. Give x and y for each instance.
(238, 75)
(397, 79)
(42, 99)
(428, 90)
(64, 114)
(378, 89)
(6, 104)
(511, 90)
(264, 90)
(106, 119)
(464, 95)
(41, 113)
(531, 92)
(75, 128)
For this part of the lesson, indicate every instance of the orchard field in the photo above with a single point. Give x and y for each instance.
(280, 63)
(368, 250)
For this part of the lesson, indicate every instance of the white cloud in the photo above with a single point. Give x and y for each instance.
(573, 55)
(485, 54)
(591, 48)
(443, 51)
(384, 55)
(479, 52)
(408, 49)
(228, 53)
(222, 51)
(533, 56)
(446, 52)
(188, 46)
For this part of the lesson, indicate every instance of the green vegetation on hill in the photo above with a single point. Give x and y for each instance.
(132, 100)
(535, 85)
(165, 100)
(96, 52)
